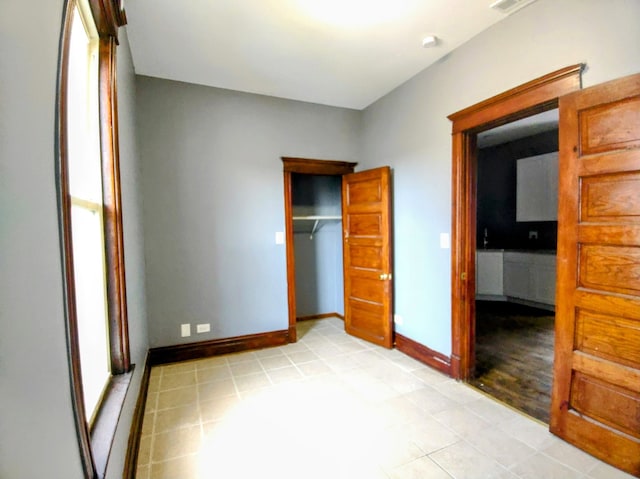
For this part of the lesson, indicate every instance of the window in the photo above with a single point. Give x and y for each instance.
(91, 224)
(85, 189)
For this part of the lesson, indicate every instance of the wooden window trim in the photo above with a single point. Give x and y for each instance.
(108, 16)
(95, 441)
(532, 97)
(112, 201)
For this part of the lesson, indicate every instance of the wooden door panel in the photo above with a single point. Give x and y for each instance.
(608, 162)
(367, 255)
(587, 435)
(596, 390)
(611, 371)
(607, 403)
(365, 322)
(610, 268)
(610, 198)
(623, 235)
(608, 337)
(367, 289)
(363, 192)
(607, 127)
(621, 306)
(365, 224)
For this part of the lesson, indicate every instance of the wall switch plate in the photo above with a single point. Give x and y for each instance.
(279, 237)
(185, 330)
(398, 319)
(203, 328)
(445, 242)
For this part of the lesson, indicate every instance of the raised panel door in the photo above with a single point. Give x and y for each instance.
(367, 255)
(596, 390)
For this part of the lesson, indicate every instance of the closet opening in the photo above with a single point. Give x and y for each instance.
(317, 245)
(313, 224)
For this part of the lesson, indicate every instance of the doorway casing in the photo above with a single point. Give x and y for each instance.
(525, 100)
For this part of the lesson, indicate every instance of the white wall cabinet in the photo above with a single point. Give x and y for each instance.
(537, 188)
(530, 276)
(489, 268)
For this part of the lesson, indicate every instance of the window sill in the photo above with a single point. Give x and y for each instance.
(104, 426)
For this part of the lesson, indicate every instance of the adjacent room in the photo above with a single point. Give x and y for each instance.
(517, 225)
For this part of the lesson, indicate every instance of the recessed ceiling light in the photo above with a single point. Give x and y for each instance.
(429, 41)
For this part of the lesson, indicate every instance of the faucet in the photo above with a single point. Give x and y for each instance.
(485, 241)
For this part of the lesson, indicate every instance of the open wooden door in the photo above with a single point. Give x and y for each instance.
(596, 390)
(366, 226)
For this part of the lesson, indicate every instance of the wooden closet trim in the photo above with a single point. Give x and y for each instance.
(309, 167)
(317, 167)
(525, 100)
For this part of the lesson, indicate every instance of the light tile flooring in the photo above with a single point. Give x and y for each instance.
(332, 406)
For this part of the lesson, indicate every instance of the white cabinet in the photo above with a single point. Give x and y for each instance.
(516, 278)
(537, 188)
(489, 267)
(530, 277)
(544, 283)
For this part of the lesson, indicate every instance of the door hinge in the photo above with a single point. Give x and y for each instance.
(385, 276)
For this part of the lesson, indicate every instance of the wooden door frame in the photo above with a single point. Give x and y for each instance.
(305, 166)
(525, 100)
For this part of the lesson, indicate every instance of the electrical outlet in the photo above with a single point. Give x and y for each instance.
(185, 330)
(203, 328)
(533, 235)
(398, 319)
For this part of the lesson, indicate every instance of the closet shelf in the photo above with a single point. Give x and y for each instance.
(316, 219)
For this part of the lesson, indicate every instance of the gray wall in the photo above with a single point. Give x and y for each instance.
(37, 432)
(408, 129)
(213, 190)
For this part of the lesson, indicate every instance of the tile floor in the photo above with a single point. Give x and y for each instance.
(332, 406)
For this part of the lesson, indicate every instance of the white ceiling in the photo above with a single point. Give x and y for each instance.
(345, 53)
(515, 130)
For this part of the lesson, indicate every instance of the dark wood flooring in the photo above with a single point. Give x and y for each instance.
(514, 355)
